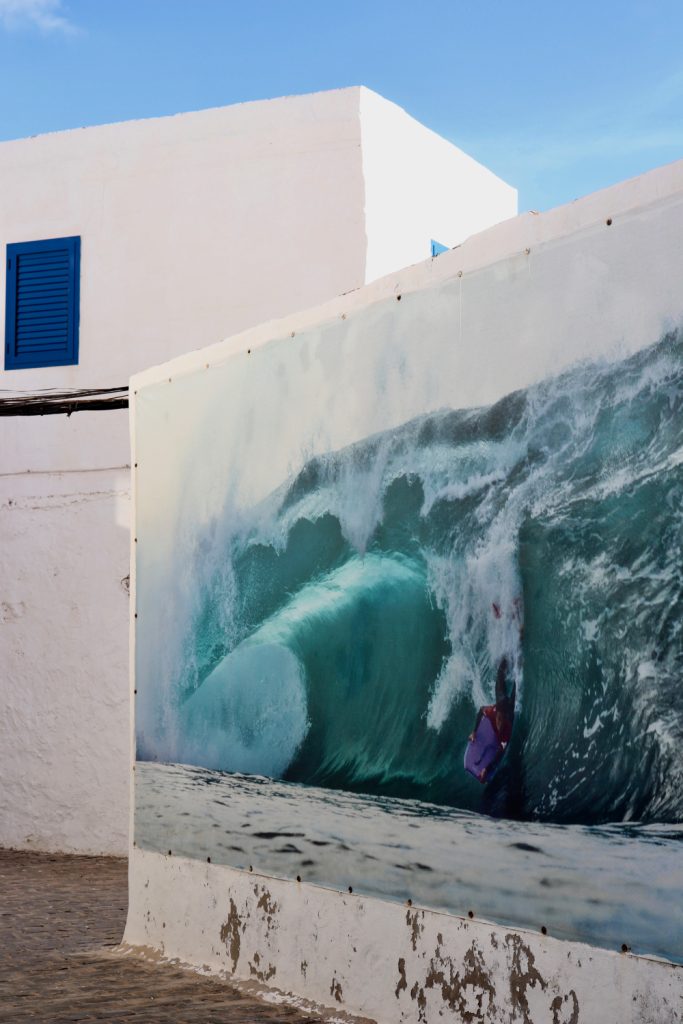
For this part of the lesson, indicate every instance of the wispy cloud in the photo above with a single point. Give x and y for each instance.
(648, 122)
(554, 152)
(45, 15)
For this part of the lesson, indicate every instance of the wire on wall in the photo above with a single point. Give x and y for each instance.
(51, 403)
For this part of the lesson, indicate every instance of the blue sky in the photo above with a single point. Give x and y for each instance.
(558, 98)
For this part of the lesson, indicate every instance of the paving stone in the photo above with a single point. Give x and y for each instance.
(61, 919)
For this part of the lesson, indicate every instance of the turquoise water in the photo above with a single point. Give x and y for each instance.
(341, 634)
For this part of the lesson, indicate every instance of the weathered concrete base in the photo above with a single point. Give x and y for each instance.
(381, 960)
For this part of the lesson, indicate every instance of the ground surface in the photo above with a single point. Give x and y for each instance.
(61, 919)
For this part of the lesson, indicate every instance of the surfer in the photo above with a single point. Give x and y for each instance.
(489, 739)
(487, 745)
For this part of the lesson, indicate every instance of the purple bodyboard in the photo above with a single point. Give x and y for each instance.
(483, 750)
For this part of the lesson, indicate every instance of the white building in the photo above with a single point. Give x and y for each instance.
(188, 229)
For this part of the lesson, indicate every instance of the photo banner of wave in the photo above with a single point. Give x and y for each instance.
(341, 634)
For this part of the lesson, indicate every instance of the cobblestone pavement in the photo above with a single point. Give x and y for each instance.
(61, 917)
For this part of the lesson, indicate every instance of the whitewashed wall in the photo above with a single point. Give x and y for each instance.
(506, 309)
(417, 180)
(192, 227)
(314, 947)
(63, 610)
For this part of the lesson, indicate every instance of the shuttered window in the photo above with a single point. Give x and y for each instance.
(41, 312)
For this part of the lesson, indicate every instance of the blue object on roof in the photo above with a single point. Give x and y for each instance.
(438, 248)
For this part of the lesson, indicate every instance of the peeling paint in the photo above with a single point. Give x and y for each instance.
(454, 986)
(266, 903)
(402, 984)
(416, 929)
(336, 990)
(560, 1009)
(417, 994)
(428, 966)
(523, 975)
(261, 973)
(230, 931)
(466, 984)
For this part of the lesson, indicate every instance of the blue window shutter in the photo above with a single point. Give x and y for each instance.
(438, 248)
(43, 300)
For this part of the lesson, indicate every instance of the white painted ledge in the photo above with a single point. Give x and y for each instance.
(316, 947)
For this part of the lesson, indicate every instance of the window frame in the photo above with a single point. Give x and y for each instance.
(34, 360)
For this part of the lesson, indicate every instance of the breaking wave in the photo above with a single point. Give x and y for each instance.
(342, 633)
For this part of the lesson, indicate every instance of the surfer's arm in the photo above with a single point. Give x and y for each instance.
(501, 679)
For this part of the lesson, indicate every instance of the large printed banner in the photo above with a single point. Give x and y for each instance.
(409, 627)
